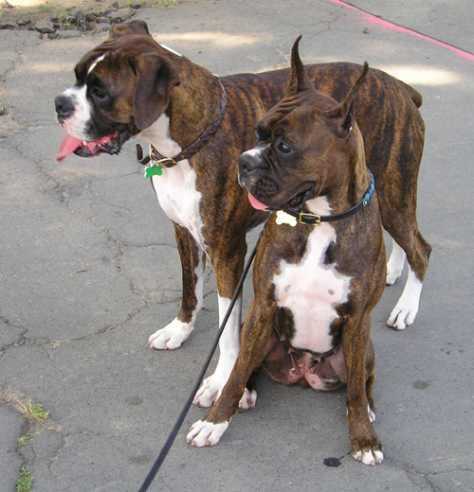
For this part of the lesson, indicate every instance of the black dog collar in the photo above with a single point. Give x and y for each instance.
(159, 159)
(315, 219)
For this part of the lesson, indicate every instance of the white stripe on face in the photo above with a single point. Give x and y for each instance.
(95, 62)
(171, 50)
(78, 124)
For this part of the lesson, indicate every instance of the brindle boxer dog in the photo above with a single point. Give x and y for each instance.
(132, 86)
(316, 281)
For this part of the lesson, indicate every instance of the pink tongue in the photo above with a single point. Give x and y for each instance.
(256, 204)
(70, 144)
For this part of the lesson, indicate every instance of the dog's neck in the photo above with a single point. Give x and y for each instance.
(194, 105)
(348, 187)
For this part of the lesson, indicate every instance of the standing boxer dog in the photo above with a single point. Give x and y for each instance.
(320, 264)
(132, 86)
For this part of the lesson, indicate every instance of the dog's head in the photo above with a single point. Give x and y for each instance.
(122, 86)
(302, 142)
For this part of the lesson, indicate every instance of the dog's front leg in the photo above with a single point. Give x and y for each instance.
(193, 264)
(228, 268)
(365, 446)
(256, 334)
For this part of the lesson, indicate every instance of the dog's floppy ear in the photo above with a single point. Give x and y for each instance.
(132, 27)
(343, 111)
(155, 79)
(298, 80)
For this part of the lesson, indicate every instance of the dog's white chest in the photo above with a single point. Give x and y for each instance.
(176, 187)
(179, 198)
(311, 290)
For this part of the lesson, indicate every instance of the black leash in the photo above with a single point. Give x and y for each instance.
(179, 421)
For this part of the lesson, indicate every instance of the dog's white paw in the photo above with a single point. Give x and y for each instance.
(248, 400)
(368, 456)
(406, 309)
(171, 336)
(204, 433)
(402, 315)
(209, 391)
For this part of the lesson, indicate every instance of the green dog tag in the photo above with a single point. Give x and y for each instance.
(155, 170)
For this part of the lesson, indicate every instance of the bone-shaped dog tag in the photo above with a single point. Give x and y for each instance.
(283, 218)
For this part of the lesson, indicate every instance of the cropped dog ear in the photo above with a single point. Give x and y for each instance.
(132, 27)
(343, 111)
(155, 79)
(298, 80)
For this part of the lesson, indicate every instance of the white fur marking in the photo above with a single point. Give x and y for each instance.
(372, 416)
(248, 400)
(204, 433)
(212, 386)
(76, 125)
(254, 151)
(176, 188)
(395, 263)
(311, 289)
(406, 309)
(175, 333)
(171, 336)
(369, 456)
(95, 62)
(171, 50)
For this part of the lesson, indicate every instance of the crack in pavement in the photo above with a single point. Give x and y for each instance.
(414, 474)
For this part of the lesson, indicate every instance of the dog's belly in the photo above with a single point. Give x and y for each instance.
(311, 290)
(179, 198)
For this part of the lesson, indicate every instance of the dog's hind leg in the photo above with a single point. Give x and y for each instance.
(193, 265)
(407, 241)
(397, 199)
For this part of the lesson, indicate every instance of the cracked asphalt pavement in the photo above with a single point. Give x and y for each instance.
(89, 269)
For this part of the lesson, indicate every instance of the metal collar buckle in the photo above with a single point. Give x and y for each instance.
(171, 162)
(308, 218)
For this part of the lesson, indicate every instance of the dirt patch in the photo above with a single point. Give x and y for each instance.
(59, 19)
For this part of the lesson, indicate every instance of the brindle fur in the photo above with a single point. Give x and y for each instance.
(358, 253)
(386, 110)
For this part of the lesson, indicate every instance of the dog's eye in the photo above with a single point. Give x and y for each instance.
(263, 134)
(98, 93)
(283, 147)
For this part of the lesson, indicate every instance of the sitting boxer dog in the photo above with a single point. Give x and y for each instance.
(198, 125)
(320, 264)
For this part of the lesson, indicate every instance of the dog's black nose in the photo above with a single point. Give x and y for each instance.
(249, 161)
(64, 107)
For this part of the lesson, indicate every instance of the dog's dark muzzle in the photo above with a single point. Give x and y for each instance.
(253, 175)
